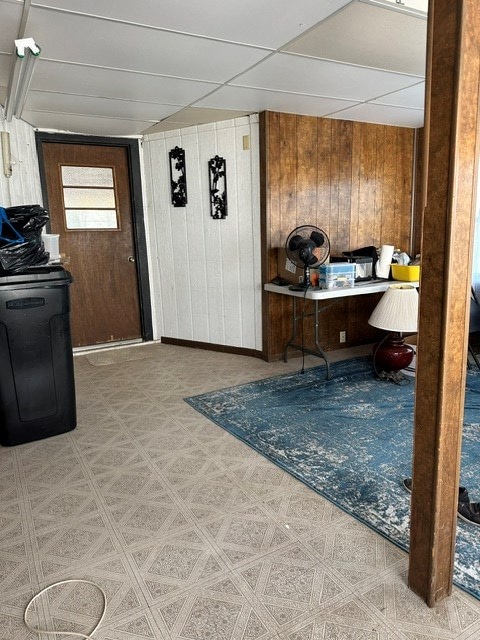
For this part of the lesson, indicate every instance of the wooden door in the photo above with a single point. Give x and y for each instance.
(89, 204)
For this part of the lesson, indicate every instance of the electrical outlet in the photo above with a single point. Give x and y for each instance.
(343, 336)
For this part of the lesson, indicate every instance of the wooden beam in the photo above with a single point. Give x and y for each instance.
(453, 72)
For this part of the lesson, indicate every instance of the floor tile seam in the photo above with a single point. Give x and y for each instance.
(405, 626)
(110, 626)
(471, 634)
(164, 538)
(200, 589)
(222, 513)
(191, 586)
(109, 618)
(312, 619)
(169, 489)
(329, 527)
(314, 611)
(88, 570)
(27, 525)
(140, 449)
(101, 504)
(259, 555)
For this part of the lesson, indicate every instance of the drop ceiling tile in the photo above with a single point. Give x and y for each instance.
(104, 107)
(11, 13)
(370, 36)
(262, 100)
(84, 124)
(248, 21)
(123, 46)
(96, 81)
(412, 97)
(194, 115)
(299, 74)
(382, 114)
(5, 62)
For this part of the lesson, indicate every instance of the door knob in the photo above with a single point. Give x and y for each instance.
(131, 259)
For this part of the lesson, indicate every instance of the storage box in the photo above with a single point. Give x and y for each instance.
(406, 272)
(337, 275)
(289, 272)
(286, 269)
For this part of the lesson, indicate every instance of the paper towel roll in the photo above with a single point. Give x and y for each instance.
(382, 268)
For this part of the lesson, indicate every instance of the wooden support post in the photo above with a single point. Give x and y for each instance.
(453, 73)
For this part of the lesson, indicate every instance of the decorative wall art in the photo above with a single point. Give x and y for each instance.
(178, 177)
(218, 188)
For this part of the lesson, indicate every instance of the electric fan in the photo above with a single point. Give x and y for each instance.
(307, 247)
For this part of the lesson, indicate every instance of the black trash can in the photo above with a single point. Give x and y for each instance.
(37, 386)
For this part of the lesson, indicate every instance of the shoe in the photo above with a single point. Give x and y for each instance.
(466, 510)
(469, 512)
(462, 492)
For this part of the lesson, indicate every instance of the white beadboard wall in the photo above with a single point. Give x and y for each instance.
(23, 187)
(205, 273)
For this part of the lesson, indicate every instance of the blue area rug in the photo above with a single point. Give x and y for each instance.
(350, 439)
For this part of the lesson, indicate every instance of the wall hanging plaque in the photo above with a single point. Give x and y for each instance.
(218, 188)
(178, 177)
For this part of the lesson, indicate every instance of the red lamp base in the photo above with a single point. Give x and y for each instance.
(392, 354)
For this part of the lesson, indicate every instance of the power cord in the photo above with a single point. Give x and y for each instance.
(303, 322)
(85, 636)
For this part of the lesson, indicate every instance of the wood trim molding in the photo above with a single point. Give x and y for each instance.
(210, 346)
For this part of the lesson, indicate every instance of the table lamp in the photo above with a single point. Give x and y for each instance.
(397, 312)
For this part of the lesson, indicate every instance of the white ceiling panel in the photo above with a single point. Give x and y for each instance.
(255, 100)
(122, 46)
(117, 67)
(10, 15)
(298, 74)
(382, 114)
(105, 107)
(193, 117)
(90, 125)
(97, 81)
(412, 97)
(247, 22)
(5, 62)
(369, 36)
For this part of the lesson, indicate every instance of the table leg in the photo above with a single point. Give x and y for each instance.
(315, 352)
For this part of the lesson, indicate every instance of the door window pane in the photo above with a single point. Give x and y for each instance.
(89, 198)
(91, 218)
(87, 176)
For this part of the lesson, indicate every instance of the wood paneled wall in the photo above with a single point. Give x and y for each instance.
(351, 179)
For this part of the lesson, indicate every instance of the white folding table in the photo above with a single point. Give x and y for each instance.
(360, 289)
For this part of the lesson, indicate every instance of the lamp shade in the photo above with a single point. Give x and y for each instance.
(397, 309)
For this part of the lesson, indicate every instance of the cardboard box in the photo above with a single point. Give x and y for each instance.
(337, 275)
(286, 269)
(292, 274)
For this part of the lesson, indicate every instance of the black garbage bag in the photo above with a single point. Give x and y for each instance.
(21, 245)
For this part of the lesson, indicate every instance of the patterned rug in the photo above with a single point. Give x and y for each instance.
(350, 439)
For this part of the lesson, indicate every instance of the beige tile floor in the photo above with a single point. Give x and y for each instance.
(191, 534)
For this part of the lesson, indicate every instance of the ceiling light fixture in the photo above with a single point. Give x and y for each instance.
(26, 55)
